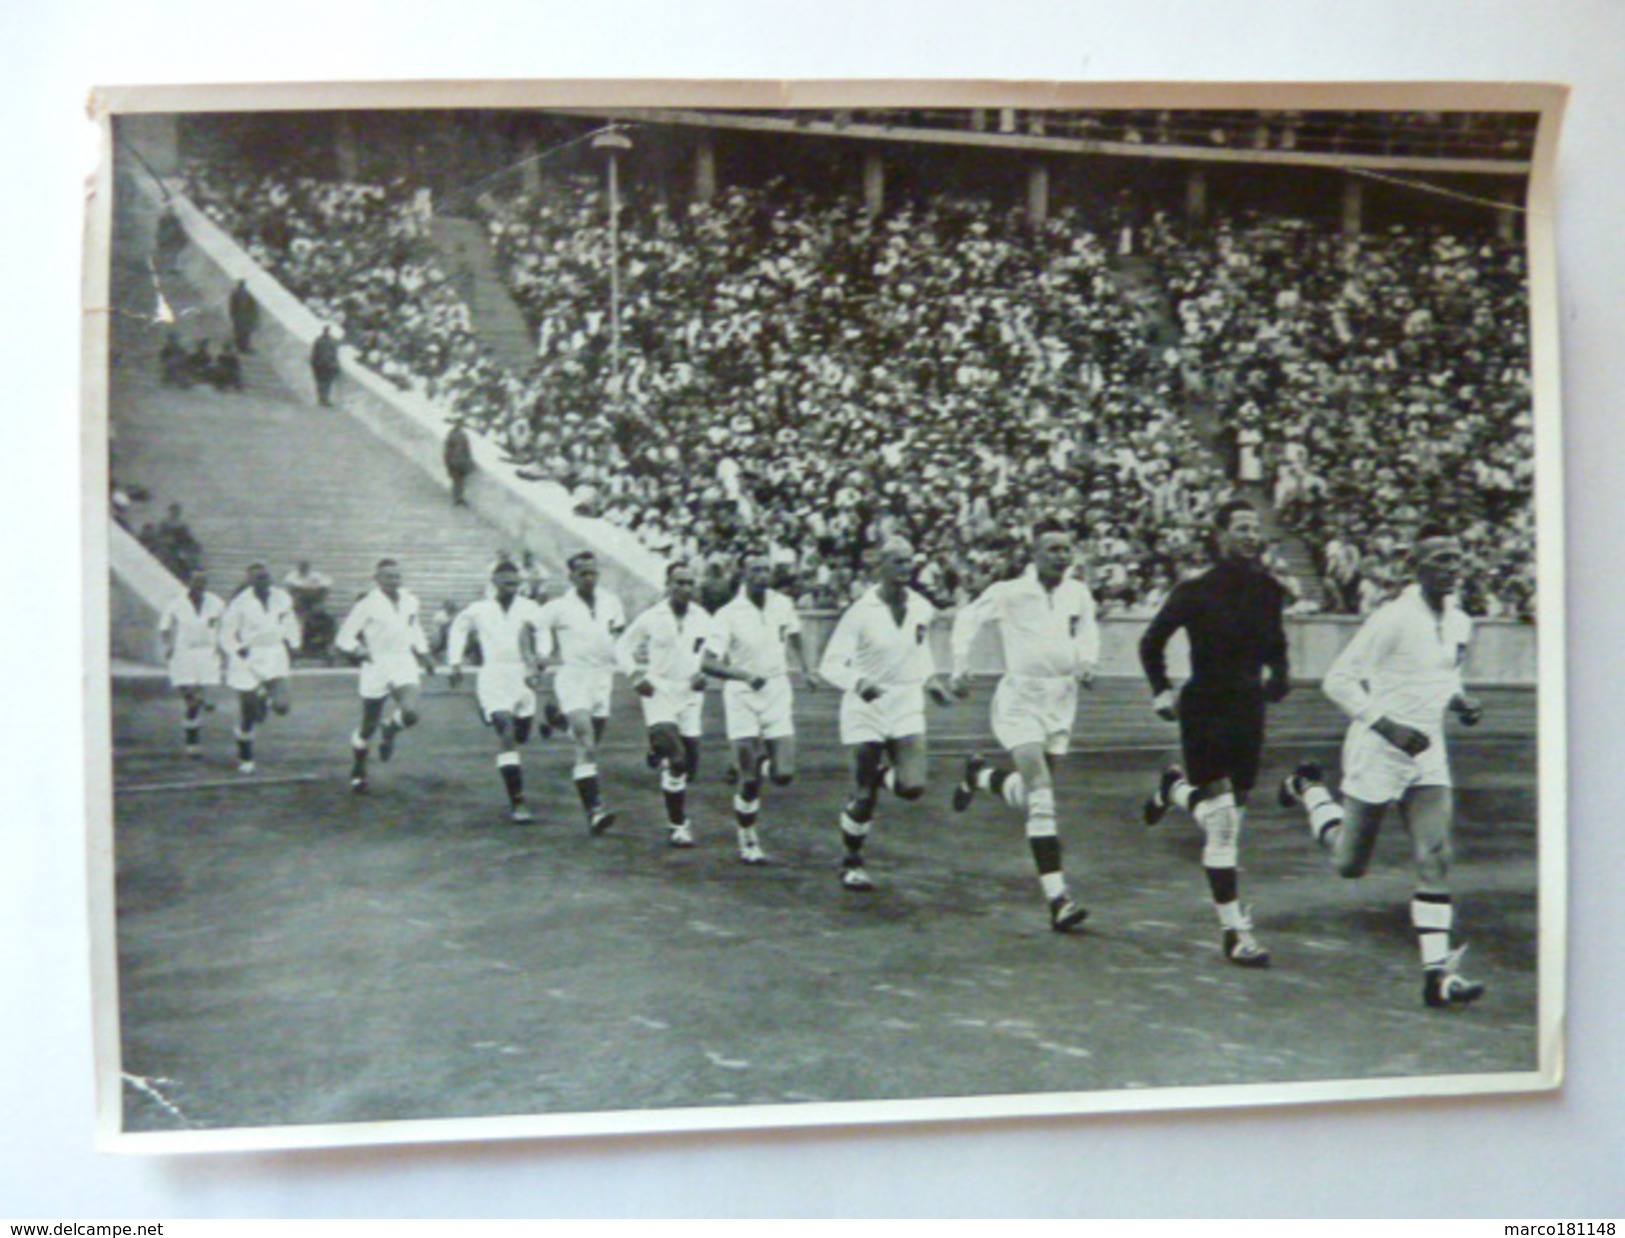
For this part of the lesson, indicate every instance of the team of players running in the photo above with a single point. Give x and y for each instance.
(1397, 680)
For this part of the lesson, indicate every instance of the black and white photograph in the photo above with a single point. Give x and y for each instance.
(680, 607)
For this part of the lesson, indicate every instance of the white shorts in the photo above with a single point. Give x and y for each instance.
(1378, 773)
(381, 676)
(503, 690)
(260, 667)
(674, 703)
(583, 690)
(758, 715)
(195, 668)
(894, 714)
(1035, 710)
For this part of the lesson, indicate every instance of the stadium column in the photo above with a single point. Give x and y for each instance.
(530, 171)
(1196, 198)
(1353, 208)
(874, 182)
(705, 168)
(1038, 194)
(344, 148)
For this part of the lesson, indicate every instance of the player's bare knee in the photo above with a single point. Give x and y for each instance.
(409, 717)
(281, 708)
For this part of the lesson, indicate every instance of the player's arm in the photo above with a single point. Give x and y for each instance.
(350, 641)
(166, 635)
(288, 624)
(1351, 671)
(793, 642)
(1469, 710)
(457, 643)
(1154, 651)
(1277, 665)
(1086, 644)
(231, 631)
(970, 620)
(419, 644)
(837, 667)
(632, 655)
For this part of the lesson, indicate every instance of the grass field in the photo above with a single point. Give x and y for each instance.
(292, 954)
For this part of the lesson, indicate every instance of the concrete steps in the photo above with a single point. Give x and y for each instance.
(466, 257)
(266, 473)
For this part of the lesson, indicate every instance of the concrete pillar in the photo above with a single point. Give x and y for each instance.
(1007, 120)
(705, 168)
(1038, 194)
(874, 182)
(344, 148)
(1353, 207)
(1196, 198)
(155, 137)
(530, 167)
(1506, 222)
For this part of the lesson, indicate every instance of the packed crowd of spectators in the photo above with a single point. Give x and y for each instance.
(796, 375)
(1385, 381)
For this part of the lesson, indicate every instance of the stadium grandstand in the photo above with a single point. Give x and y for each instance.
(808, 322)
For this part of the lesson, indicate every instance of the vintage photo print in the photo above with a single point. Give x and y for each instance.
(672, 606)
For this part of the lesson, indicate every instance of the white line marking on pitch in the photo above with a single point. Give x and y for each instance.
(726, 1063)
(655, 1024)
(244, 783)
(146, 1088)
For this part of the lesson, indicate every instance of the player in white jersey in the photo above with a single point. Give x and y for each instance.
(384, 633)
(749, 639)
(1397, 679)
(880, 656)
(505, 625)
(1046, 622)
(189, 644)
(583, 624)
(257, 632)
(663, 655)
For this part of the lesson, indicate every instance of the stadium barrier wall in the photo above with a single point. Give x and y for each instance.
(1502, 652)
(536, 515)
(141, 588)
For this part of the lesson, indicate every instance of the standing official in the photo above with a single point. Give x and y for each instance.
(257, 632)
(663, 655)
(1232, 616)
(880, 656)
(583, 624)
(1396, 680)
(1051, 642)
(384, 632)
(324, 366)
(189, 643)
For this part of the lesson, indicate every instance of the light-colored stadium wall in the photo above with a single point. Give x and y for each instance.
(141, 588)
(1502, 652)
(536, 515)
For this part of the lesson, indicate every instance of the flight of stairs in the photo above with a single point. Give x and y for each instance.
(266, 474)
(1140, 284)
(466, 258)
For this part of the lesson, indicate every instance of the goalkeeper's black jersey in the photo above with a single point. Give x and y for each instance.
(1232, 617)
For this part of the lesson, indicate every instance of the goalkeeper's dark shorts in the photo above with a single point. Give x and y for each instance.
(1222, 736)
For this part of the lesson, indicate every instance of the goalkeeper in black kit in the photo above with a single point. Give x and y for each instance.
(1232, 617)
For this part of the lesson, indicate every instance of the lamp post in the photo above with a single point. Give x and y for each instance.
(614, 141)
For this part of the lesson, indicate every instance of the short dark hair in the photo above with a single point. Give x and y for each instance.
(383, 563)
(1047, 525)
(673, 567)
(580, 557)
(1227, 512)
(504, 565)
